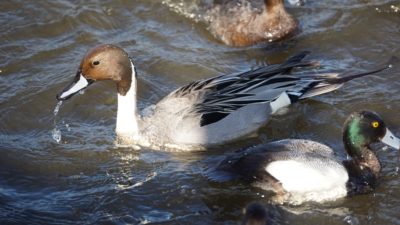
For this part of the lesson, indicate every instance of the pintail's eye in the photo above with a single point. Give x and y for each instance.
(95, 63)
(375, 124)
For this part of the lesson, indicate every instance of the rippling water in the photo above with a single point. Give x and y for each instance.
(85, 179)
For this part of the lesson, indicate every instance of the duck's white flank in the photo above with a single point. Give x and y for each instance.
(281, 102)
(127, 125)
(310, 181)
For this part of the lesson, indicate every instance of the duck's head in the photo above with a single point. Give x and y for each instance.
(364, 128)
(103, 62)
(255, 214)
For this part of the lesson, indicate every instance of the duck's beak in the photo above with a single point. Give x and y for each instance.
(79, 83)
(391, 140)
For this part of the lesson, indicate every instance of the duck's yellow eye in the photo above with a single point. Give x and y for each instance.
(375, 124)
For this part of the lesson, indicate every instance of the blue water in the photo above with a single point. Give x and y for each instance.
(86, 179)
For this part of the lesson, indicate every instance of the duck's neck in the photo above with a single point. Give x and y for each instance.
(127, 124)
(273, 5)
(359, 150)
(368, 162)
(364, 172)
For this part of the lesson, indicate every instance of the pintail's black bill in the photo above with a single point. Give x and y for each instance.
(79, 83)
(391, 140)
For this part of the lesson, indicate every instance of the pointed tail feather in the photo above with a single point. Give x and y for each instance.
(333, 83)
(319, 90)
(340, 80)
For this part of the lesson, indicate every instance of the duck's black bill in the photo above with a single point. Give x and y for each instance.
(79, 83)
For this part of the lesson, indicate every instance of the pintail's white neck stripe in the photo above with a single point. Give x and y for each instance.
(126, 115)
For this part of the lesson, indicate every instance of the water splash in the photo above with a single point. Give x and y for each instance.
(56, 132)
(57, 108)
(189, 9)
(391, 9)
(147, 179)
(395, 8)
(297, 2)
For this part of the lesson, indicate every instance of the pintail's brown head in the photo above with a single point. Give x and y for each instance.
(103, 62)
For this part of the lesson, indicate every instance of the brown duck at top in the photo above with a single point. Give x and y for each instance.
(242, 25)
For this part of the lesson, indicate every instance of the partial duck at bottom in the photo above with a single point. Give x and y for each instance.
(258, 214)
(206, 112)
(300, 170)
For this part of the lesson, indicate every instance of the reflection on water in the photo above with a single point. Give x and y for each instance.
(84, 178)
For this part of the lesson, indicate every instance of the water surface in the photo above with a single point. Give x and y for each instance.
(86, 179)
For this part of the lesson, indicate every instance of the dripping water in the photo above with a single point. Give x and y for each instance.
(56, 132)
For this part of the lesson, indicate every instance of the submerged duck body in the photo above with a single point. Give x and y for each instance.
(206, 112)
(302, 170)
(241, 25)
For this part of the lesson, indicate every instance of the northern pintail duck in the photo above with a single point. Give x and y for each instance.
(299, 170)
(205, 112)
(241, 25)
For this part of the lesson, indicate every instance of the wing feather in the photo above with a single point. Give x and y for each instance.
(215, 98)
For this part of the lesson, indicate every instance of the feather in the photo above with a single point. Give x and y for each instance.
(215, 98)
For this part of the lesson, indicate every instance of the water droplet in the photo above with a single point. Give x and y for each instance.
(395, 8)
(56, 134)
(67, 126)
(57, 108)
(352, 220)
